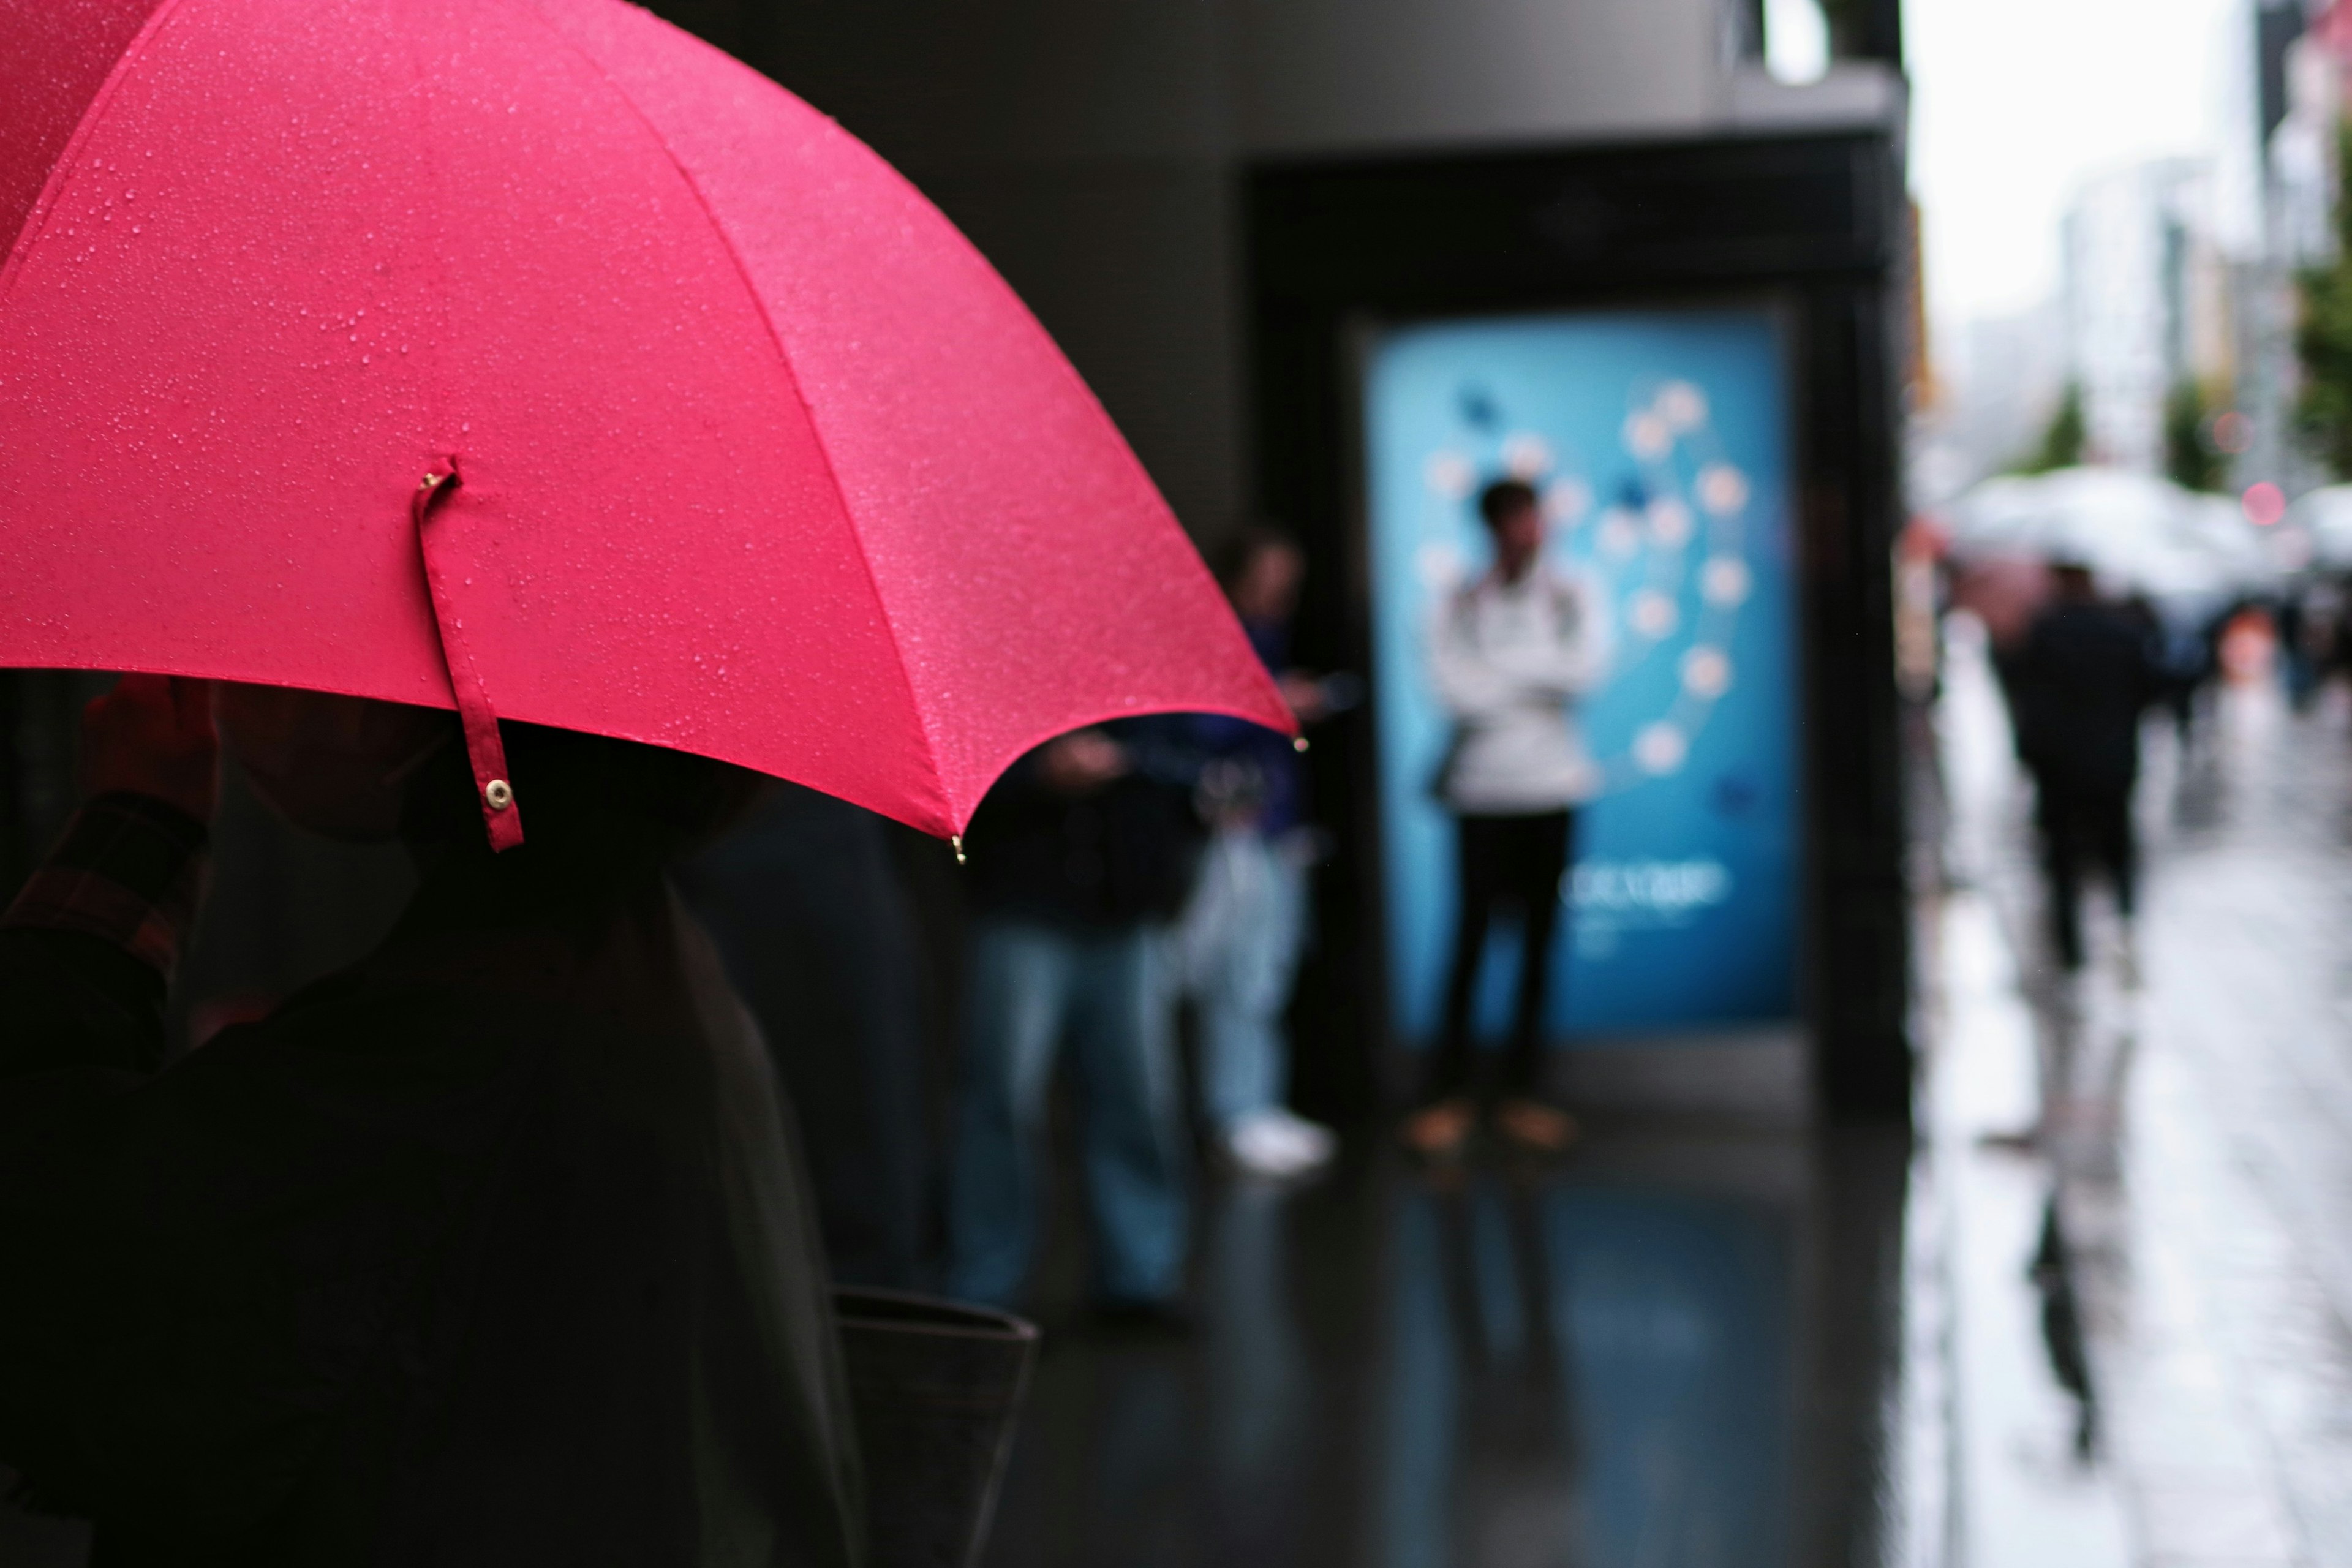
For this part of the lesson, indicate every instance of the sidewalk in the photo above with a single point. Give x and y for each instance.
(2191, 1267)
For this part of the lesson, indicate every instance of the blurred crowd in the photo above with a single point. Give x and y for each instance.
(1127, 888)
(2082, 662)
(1135, 904)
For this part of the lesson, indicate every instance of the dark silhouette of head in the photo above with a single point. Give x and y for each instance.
(1259, 569)
(1513, 513)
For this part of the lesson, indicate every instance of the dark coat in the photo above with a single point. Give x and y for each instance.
(2076, 691)
(819, 936)
(1121, 855)
(491, 1250)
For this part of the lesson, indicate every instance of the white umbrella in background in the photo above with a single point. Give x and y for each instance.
(2136, 529)
(2251, 558)
(2325, 516)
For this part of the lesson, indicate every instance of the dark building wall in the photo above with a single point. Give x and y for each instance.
(1383, 76)
(1092, 150)
(1083, 148)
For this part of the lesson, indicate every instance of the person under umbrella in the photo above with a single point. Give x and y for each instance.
(2077, 687)
(675, 416)
(492, 1248)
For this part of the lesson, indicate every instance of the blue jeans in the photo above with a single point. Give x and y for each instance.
(1035, 988)
(1240, 942)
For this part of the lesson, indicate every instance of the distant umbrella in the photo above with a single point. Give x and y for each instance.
(2325, 516)
(2137, 530)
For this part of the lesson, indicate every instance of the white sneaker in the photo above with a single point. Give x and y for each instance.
(1276, 1143)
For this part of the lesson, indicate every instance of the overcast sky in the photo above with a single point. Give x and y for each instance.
(2014, 102)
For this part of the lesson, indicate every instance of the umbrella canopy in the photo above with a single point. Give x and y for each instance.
(2325, 516)
(532, 358)
(2136, 528)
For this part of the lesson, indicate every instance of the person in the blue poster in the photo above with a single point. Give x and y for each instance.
(1510, 650)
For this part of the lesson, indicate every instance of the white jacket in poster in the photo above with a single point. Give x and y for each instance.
(1508, 661)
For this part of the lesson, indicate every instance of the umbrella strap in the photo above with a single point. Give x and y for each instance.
(501, 815)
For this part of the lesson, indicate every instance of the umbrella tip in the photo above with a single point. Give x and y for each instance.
(955, 841)
(1299, 743)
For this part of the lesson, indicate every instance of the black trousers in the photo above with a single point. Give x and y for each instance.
(2083, 830)
(1504, 862)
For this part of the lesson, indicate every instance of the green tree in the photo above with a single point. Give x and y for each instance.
(2062, 442)
(2190, 459)
(2323, 340)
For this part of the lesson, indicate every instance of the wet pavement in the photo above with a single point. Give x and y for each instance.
(1675, 1349)
(2100, 1312)
(2096, 1316)
(2191, 1156)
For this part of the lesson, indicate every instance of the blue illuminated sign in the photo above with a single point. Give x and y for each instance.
(1659, 442)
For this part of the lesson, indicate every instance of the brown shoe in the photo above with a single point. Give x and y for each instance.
(1535, 1127)
(1438, 1132)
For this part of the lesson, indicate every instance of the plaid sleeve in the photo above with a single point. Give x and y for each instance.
(127, 871)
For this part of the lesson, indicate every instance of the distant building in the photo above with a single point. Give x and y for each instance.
(2177, 271)
(2278, 165)
(2145, 304)
(2007, 375)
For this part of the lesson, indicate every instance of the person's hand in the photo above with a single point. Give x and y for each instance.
(152, 735)
(1081, 763)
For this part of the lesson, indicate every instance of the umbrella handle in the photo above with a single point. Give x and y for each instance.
(484, 751)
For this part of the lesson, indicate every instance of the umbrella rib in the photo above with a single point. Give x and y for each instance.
(791, 376)
(68, 164)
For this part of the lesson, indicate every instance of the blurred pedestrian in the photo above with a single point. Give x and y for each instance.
(2299, 671)
(1079, 859)
(2086, 672)
(1242, 929)
(818, 934)
(1510, 651)
(491, 1248)
(2185, 663)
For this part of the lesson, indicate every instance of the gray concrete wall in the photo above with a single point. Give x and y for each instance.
(1089, 147)
(1086, 148)
(1314, 76)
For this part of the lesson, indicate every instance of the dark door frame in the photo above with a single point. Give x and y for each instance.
(1815, 224)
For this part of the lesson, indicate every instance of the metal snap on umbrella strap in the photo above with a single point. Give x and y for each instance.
(445, 560)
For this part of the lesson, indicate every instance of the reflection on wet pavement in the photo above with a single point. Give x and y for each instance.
(1610, 1362)
(2194, 1131)
(2101, 1315)
(2098, 1315)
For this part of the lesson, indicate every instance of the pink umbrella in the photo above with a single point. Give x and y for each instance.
(530, 358)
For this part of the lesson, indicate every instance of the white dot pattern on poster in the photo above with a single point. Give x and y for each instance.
(1527, 455)
(1683, 530)
(1653, 614)
(1451, 475)
(1567, 502)
(1660, 748)
(1706, 673)
(1723, 580)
